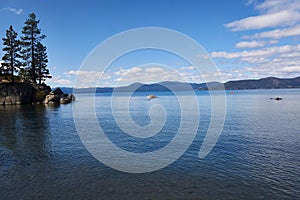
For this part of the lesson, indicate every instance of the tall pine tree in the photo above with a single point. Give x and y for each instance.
(12, 47)
(3, 72)
(41, 63)
(31, 37)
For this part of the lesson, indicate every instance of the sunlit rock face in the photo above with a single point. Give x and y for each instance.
(58, 97)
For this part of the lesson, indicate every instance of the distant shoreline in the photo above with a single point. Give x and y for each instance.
(249, 84)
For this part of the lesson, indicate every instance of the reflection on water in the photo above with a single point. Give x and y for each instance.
(256, 157)
(25, 144)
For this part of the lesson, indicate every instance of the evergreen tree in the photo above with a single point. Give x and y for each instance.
(24, 75)
(12, 48)
(3, 72)
(31, 37)
(41, 63)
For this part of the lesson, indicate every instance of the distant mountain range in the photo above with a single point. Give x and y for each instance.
(264, 83)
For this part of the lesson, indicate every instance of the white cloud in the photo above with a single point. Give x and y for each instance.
(220, 76)
(154, 70)
(88, 76)
(267, 70)
(273, 13)
(261, 71)
(187, 68)
(283, 18)
(294, 69)
(147, 75)
(59, 81)
(14, 10)
(252, 44)
(278, 5)
(266, 52)
(254, 60)
(290, 55)
(129, 72)
(281, 61)
(160, 73)
(278, 33)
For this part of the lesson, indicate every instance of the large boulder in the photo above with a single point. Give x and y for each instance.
(64, 100)
(57, 91)
(51, 98)
(16, 93)
(40, 93)
(71, 97)
(58, 97)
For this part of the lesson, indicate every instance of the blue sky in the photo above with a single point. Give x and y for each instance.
(245, 38)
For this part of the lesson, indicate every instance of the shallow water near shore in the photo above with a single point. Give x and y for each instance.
(256, 156)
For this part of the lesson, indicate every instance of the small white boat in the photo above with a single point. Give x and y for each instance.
(151, 96)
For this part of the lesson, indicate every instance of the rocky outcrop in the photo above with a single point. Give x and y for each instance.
(25, 93)
(16, 93)
(58, 97)
(40, 93)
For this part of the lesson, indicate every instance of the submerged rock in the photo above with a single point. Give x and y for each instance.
(277, 98)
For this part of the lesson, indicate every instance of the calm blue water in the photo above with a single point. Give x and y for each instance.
(256, 156)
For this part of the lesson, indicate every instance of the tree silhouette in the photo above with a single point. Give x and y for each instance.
(41, 63)
(11, 62)
(31, 37)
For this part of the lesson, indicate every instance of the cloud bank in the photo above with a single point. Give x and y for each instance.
(14, 10)
(269, 54)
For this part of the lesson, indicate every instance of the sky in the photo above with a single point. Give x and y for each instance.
(246, 39)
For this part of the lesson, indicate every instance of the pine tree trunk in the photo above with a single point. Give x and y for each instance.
(32, 57)
(12, 66)
(40, 76)
(12, 76)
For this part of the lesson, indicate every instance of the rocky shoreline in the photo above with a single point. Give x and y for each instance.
(24, 93)
(57, 96)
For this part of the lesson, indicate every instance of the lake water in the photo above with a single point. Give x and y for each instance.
(256, 156)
